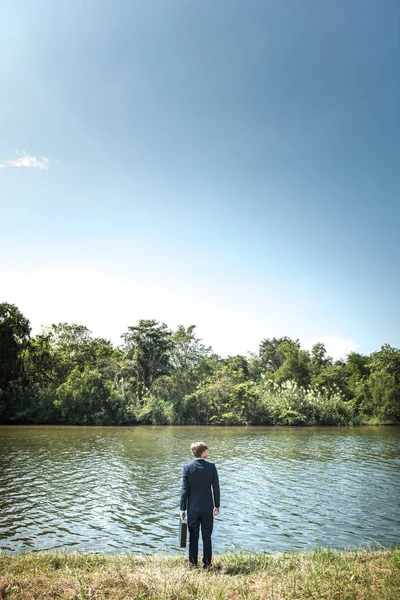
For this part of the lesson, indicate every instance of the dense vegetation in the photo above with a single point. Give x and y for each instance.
(159, 376)
(322, 575)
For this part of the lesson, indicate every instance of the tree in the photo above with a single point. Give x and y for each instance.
(238, 366)
(53, 354)
(384, 383)
(186, 350)
(146, 353)
(269, 352)
(225, 397)
(283, 359)
(357, 374)
(319, 358)
(326, 374)
(295, 365)
(50, 357)
(189, 359)
(14, 334)
(85, 398)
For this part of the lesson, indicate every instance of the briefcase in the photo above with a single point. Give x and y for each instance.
(182, 532)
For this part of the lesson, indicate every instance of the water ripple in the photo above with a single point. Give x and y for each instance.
(117, 489)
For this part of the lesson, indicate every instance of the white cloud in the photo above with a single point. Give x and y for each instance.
(25, 160)
(337, 347)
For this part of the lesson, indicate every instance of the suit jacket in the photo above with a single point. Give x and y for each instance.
(199, 477)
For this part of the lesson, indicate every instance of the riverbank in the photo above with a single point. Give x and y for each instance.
(322, 574)
(370, 422)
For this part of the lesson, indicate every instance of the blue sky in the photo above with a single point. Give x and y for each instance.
(231, 164)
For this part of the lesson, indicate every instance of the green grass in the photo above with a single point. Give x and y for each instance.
(320, 574)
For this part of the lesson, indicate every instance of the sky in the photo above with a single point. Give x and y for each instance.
(231, 164)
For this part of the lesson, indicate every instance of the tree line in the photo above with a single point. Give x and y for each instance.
(163, 376)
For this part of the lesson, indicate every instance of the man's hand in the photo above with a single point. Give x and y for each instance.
(183, 513)
(216, 511)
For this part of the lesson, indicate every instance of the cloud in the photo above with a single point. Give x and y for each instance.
(337, 347)
(24, 160)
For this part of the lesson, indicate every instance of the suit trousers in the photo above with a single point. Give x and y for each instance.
(206, 520)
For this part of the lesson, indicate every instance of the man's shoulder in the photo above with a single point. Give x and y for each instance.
(193, 462)
(210, 465)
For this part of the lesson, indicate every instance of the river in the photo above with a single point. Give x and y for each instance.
(116, 489)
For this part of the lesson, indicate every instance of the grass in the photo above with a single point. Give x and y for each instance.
(299, 575)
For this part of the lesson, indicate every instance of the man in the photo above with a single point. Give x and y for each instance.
(199, 478)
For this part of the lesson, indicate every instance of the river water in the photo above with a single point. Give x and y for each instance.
(116, 489)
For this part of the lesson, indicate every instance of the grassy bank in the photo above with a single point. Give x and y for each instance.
(320, 574)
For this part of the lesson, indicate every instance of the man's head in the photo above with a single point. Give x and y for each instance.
(199, 449)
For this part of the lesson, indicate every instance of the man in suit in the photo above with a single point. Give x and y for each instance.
(200, 497)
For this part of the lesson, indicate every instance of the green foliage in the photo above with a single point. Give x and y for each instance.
(154, 411)
(283, 359)
(85, 397)
(159, 376)
(14, 334)
(225, 398)
(270, 352)
(147, 347)
(290, 404)
(384, 383)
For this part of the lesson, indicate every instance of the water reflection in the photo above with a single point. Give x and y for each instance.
(117, 489)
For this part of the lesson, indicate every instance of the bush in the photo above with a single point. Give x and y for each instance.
(289, 404)
(84, 398)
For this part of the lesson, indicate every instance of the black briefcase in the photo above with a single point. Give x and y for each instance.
(182, 532)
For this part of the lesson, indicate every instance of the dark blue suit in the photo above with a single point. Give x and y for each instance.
(199, 478)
